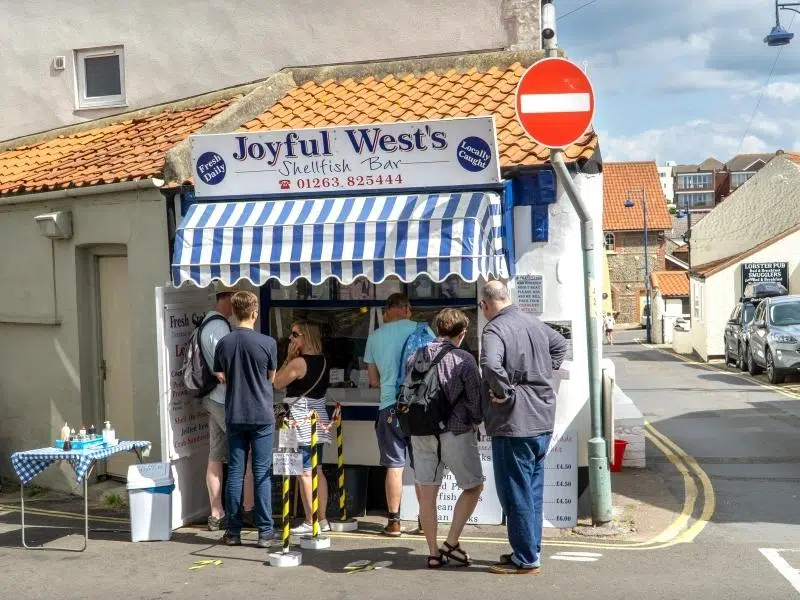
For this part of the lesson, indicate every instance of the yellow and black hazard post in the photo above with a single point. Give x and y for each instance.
(343, 523)
(285, 558)
(315, 541)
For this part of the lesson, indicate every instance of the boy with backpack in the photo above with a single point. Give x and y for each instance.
(386, 347)
(440, 408)
(200, 380)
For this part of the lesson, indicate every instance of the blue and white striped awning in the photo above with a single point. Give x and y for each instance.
(345, 238)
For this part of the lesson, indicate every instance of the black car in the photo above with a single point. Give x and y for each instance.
(736, 333)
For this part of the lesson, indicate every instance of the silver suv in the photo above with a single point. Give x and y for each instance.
(774, 338)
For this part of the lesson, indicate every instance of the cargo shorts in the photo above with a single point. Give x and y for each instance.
(217, 436)
(459, 454)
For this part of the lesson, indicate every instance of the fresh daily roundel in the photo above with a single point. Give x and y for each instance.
(555, 102)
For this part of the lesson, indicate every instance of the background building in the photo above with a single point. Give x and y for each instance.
(70, 62)
(667, 176)
(758, 223)
(623, 227)
(699, 186)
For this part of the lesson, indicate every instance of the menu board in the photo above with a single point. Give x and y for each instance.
(561, 481)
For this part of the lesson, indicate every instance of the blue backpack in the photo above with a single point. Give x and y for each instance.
(419, 338)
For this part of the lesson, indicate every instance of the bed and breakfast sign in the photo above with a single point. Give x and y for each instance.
(382, 157)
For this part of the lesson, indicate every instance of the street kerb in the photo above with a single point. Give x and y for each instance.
(680, 530)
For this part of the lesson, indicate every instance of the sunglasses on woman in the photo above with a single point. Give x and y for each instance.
(296, 334)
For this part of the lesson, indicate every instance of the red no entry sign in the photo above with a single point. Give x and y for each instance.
(555, 102)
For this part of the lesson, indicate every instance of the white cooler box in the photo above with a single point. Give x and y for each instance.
(150, 489)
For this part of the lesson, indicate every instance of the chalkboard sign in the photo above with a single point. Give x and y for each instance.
(777, 272)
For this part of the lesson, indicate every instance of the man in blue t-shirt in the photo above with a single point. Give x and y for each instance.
(383, 357)
(246, 361)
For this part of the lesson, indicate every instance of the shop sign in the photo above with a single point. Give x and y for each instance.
(188, 420)
(777, 272)
(383, 156)
(561, 481)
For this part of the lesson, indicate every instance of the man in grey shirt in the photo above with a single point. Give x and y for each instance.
(213, 330)
(518, 356)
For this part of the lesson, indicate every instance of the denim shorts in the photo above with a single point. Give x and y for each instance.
(306, 450)
(392, 442)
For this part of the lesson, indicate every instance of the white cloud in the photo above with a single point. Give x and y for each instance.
(786, 92)
(691, 141)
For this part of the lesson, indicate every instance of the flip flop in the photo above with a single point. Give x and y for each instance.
(457, 554)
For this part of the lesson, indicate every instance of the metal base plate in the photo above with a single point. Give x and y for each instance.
(285, 559)
(308, 542)
(348, 525)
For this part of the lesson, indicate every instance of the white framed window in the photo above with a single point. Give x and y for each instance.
(610, 242)
(100, 77)
(697, 312)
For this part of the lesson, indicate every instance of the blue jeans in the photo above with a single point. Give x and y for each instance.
(243, 439)
(519, 477)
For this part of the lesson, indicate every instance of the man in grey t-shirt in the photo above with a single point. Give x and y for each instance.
(518, 355)
(213, 330)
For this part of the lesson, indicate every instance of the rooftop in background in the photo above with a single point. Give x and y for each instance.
(671, 284)
(623, 181)
(744, 162)
(723, 263)
(709, 164)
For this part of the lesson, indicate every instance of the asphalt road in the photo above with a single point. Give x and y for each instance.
(744, 436)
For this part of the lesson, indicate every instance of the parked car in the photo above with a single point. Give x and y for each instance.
(774, 338)
(736, 333)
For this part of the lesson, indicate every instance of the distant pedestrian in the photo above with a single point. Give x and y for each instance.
(456, 448)
(246, 361)
(518, 356)
(608, 325)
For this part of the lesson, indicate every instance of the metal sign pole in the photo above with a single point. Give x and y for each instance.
(599, 476)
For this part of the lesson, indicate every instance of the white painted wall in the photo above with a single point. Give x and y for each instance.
(559, 261)
(768, 205)
(45, 371)
(179, 49)
(722, 290)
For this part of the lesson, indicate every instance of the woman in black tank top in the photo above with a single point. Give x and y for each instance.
(305, 376)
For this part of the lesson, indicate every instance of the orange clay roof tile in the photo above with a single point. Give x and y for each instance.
(409, 97)
(671, 284)
(626, 180)
(121, 151)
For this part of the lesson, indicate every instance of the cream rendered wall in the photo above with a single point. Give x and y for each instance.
(559, 261)
(723, 290)
(46, 374)
(179, 49)
(657, 309)
(768, 204)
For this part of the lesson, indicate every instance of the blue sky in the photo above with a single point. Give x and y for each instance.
(680, 79)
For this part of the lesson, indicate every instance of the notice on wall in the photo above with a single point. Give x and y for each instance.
(561, 481)
(777, 272)
(188, 419)
(530, 293)
(381, 157)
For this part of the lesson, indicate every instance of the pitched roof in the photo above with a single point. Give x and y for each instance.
(625, 180)
(671, 284)
(742, 162)
(412, 98)
(710, 164)
(716, 266)
(124, 150)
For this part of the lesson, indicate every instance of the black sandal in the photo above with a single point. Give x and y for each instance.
(457, 554)
(436, 562)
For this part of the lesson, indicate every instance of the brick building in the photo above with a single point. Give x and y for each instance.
(624, 185)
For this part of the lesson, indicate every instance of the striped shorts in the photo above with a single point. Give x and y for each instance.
(300, 412)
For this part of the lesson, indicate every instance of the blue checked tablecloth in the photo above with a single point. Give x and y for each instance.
(31, 463)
